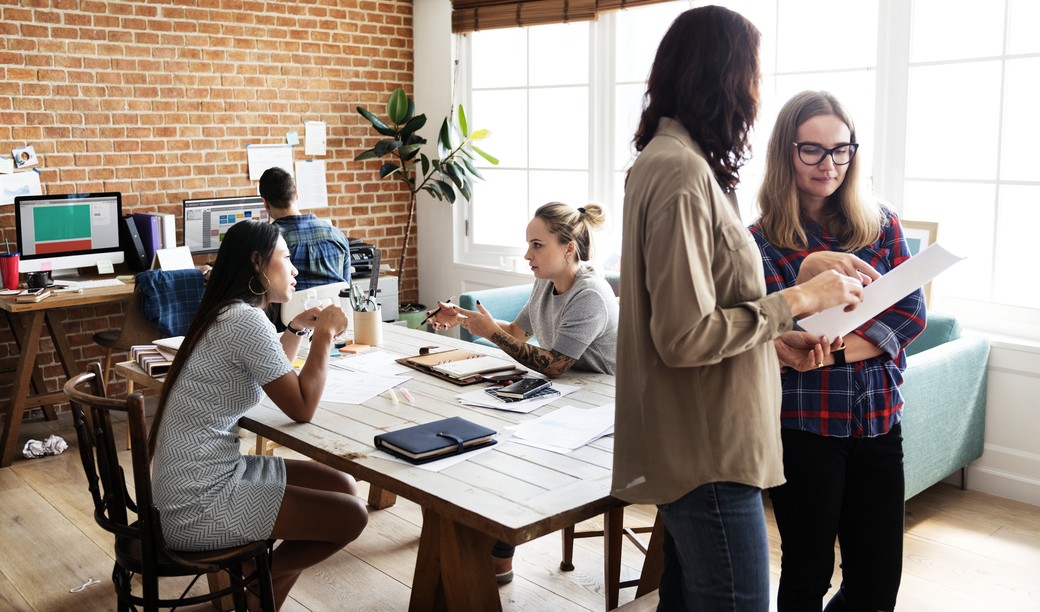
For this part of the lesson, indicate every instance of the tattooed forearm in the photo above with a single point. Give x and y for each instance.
(550, 362)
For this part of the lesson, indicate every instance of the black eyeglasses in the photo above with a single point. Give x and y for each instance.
(813, 153)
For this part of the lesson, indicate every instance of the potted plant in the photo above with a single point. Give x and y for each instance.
(404, 160)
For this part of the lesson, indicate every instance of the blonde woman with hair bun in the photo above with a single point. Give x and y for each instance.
(572, 311)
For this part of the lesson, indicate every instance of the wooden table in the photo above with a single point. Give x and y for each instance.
(513, 493)
(26, 322)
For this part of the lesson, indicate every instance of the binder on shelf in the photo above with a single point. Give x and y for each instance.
(151, 234)
(167, 230)
(133, 248)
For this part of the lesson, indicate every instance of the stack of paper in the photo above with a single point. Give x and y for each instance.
(566, 429)
(481, 399)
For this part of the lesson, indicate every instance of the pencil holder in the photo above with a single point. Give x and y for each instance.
(368, 327)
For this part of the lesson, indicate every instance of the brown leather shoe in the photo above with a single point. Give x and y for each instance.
(503, 569)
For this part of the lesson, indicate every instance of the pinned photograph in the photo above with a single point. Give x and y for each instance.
(24, 157)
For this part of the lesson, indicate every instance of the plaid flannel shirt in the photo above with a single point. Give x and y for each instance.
(862, 398)
(319, 251)
(170, 298)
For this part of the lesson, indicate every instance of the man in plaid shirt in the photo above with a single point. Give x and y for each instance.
(318, 250)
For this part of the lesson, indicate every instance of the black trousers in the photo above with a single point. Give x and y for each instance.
(845, 488)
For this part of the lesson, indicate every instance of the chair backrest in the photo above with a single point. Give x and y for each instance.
(92, 416)
(327, 294)
(170, 298)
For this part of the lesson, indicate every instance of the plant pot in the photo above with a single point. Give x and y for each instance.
(412, 314)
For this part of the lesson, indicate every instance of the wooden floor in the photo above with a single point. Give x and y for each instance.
(964, 551)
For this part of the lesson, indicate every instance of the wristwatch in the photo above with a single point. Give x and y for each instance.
(299, 332)
(839, 355)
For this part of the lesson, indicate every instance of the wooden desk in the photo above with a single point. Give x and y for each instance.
(26, 322)
(512, 493)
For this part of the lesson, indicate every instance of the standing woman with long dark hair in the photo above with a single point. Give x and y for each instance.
(698, 389)
(208, 494)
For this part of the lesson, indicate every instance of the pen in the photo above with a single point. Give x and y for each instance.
(434, 313)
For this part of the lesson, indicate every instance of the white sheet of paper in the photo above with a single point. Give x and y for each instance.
(177, 258)
(567, 428)
(261, 157)
(6, 165)
(559, 449)
(342, 387)
(373, 361)
(882, 293)
(311, 184)
(314, 132)
(481, 399)
(19, 184)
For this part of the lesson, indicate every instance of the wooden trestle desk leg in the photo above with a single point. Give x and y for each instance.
(453, 568)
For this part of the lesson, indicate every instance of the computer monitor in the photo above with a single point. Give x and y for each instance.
(67, 231)
(206, 220)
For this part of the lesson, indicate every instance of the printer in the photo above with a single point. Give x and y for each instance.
(364, 272)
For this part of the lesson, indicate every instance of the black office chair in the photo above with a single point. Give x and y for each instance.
(139, 545)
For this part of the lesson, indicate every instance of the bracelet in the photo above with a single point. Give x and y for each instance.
(298, 332)
(839, 355)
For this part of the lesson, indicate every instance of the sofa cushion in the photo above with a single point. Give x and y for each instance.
(940, 330)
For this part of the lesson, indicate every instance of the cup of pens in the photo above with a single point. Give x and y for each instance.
(368, 323)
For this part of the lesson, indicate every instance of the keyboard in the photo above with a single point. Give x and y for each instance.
(91, 284)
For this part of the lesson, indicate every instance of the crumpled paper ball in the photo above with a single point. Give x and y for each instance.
(54, 445)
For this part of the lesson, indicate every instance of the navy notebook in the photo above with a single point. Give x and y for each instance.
(436, 440)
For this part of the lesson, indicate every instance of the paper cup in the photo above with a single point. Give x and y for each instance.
(368, 327)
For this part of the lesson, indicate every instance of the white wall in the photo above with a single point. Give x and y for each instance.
(1010, 465)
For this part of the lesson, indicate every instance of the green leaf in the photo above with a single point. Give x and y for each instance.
(434, 189)
(425, 164)
(409, 151)
(462, 121)
(467, 190)
(387, 169)
(384, 147)
(410, 113)
(444, 139)
(479, 135)
(369, 154)
(449, 193)
(377, 123)
(472, 169)
(397, 107)
(453, 173)
(491, 159)
(414, 125)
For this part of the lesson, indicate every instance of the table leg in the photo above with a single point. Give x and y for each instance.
(453, 568)
(18, 331)
(20, 387)
(380, 498)
(613, 537)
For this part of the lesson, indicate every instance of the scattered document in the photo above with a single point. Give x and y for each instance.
(380, 363)
(311, 184)
(261, 157)
(882, 293)
(19, 184)
(342, 387)
(315, 138)
(481, 399)
(567, 429)
(177, 258)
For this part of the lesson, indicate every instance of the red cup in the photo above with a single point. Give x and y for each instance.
(9, 269)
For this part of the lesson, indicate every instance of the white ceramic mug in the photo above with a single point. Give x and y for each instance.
(368, 327)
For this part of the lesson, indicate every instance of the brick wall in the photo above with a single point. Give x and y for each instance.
(157, 99)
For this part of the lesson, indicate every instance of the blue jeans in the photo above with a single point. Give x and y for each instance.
(716, 555)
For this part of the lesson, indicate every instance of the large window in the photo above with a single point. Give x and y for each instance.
(943, 94)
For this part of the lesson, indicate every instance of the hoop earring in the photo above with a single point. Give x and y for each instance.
(254, 291)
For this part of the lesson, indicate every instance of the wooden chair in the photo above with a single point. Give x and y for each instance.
(139, 545)
(653, 563)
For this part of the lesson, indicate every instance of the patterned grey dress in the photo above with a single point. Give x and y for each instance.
(208, 494)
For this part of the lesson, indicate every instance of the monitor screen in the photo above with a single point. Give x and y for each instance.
(66, 231)
(206, 220)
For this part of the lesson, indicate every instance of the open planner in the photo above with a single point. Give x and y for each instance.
(459, 366)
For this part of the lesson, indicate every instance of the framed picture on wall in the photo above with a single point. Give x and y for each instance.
(919, 236)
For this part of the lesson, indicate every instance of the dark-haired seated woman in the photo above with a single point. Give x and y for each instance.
(208, 494)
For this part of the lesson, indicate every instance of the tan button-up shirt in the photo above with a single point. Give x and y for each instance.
(698, 381)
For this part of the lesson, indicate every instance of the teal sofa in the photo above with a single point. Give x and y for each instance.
(944, 389)
(944, 415)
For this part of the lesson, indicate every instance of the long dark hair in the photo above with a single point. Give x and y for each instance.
(247, 248)
(705, 76)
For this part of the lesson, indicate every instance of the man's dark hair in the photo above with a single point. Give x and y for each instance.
(277, 188)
